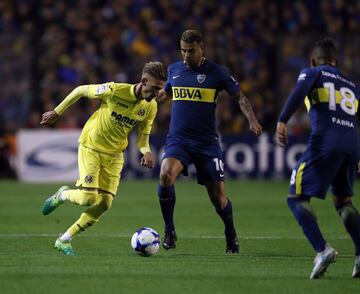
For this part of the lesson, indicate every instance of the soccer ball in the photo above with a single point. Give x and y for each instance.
(145, 241)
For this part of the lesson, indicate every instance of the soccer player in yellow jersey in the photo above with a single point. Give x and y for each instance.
(102, 142)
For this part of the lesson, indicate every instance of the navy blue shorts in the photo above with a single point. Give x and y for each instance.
(209, 165)
(316, 172)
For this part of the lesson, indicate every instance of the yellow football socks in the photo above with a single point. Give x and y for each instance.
(82, 197)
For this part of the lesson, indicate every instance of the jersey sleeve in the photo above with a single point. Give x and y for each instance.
(228, 83)
(303, 86)
(101, 91)
(146, 125)
(168, 86)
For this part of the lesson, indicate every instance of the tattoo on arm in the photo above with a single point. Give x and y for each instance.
(245, 106)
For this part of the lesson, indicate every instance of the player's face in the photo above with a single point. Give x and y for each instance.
(150, 87)
(192, 53)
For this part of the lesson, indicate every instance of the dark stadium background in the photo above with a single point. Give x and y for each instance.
(49, 47)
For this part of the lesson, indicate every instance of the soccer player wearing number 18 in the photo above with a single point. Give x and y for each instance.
(332, 154)
(194, 84)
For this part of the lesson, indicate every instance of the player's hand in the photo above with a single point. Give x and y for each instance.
(147, 160)
(49, 118)
(162, 96)
(255, 127)
(281, 134)
(358, 167)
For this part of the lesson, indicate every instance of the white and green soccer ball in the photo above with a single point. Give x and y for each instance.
(145, 242)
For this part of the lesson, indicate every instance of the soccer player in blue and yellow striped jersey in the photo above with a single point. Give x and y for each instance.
(103, 141)
(194, 84)
(332, 153)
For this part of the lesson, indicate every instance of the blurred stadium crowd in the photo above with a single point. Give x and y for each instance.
(49, 47)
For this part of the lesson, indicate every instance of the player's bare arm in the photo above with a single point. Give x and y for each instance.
(147, 160)
(281, 134)
(247, 109)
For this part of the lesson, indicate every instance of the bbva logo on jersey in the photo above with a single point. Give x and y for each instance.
(189, 93)
(201, 78)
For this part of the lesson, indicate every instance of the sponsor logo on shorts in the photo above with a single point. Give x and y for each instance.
(88, 179)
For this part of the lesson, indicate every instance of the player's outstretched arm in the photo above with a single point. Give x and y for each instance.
(50, 117)
(247, 109)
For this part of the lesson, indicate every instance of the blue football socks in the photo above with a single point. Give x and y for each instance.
(167, 201)
(351, 219)
(306, 218)
(227, 217)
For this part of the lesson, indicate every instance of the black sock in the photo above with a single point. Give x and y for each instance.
(351, 219)
(227, 217)
(167, 201)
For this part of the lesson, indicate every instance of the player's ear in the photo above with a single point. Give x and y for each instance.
(312, 62)
(144, 81)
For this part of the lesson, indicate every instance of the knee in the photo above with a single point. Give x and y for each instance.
(88, 198)
(167, 178)
(219, 200)
(300, 205)
(106, 201)
(348, 213)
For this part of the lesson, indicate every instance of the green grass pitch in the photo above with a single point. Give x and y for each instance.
(274, 258)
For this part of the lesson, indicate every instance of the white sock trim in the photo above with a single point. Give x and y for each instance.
(63, 196)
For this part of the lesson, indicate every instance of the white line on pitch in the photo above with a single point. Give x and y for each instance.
(26, 235)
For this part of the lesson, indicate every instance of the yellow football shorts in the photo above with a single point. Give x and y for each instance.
(99, 170)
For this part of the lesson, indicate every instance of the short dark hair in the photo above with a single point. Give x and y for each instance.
(156, 69)
(326, 49)
(190, 36)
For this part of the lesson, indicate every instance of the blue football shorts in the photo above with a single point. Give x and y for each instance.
(209, 164)
(316, 172)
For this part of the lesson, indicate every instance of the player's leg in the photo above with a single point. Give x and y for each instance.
(86, 195)
(343, 185)
(88, 162)
(313, 175)
(306, 218)
(351, 219)
(109, 176)
(210, 172)
(90, 216)
(223, 207)
(169, 171)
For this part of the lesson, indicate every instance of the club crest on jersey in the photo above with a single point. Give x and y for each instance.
(201, 78)
(88, 179)
(141, 112)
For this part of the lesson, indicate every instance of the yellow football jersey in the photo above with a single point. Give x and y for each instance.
(108, 128)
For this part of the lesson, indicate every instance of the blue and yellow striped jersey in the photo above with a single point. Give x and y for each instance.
(194, 93)
(332, 101)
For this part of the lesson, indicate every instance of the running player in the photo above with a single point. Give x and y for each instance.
(194, 84)
(102, 143)
(331, 156)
